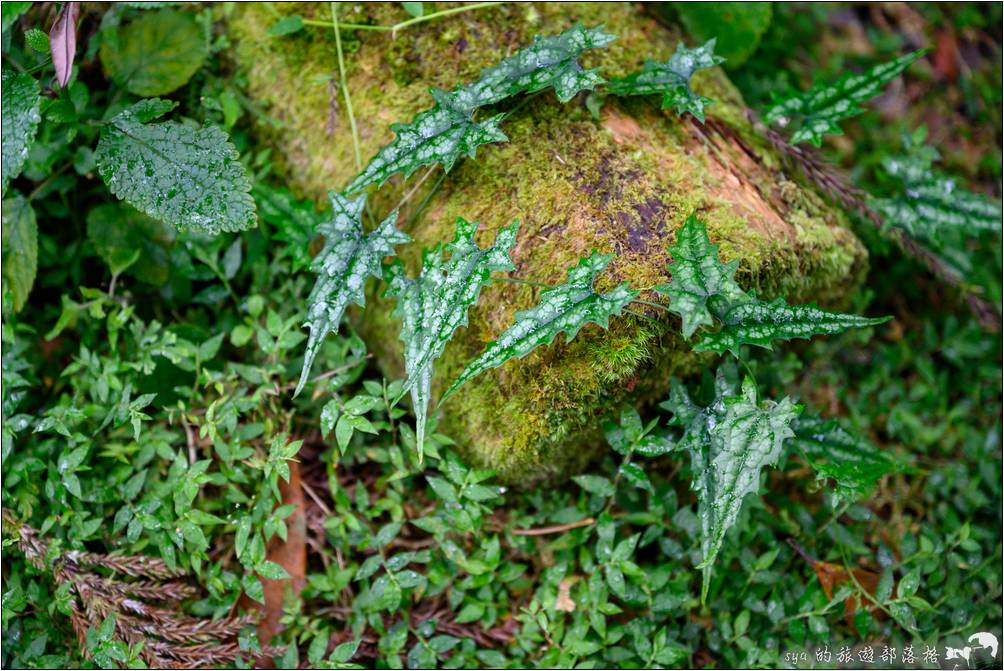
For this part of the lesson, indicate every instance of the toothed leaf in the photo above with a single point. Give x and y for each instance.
(760, 323)
(698, 276)
(20, 121)
(448, 131)
(853, 462)
(550, 62)
(929, 205)
(20, 249)
(342, 267)
(566, 308)
(704, 290)
(672, 79)
(435, 305)
(187, 177)
(440, 135)
(730, 442)
(821, 108)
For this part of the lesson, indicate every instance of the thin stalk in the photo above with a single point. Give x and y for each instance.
(403, 24)
(345, 86)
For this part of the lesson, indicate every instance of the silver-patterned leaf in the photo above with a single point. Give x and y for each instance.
(343, 265)
(672, 79)
(562, 309)
(435, 305)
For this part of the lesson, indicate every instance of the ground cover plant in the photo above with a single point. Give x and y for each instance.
(501, 335)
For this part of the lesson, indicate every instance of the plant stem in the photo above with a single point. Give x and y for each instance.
(345, 86)
(650, 304)
(403, 24)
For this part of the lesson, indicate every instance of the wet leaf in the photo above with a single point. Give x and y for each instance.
(432, 307)
(20, 103)
(562, 309)
(189, 178)
(342, 267)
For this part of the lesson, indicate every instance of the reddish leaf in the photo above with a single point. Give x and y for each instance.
(63, 41)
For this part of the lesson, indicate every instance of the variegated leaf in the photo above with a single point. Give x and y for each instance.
(824, 106)
(435, 305)
(672, 79)
(562, 309)
(703, 290)
(730, 442)
(342, 267)
(448, 131)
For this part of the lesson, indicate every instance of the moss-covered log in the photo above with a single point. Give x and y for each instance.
(622, 184)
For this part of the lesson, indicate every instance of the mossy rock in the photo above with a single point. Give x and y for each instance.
(623, 184)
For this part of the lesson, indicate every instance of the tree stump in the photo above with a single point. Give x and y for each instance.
(622, 184)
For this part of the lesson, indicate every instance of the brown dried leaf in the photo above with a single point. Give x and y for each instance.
(63, 41)
(290, 554)
(832, 576)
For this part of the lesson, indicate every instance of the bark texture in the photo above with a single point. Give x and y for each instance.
(623, 184)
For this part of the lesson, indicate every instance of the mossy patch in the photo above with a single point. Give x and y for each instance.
(623, 184)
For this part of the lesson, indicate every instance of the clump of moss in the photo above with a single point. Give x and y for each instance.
(622, 185)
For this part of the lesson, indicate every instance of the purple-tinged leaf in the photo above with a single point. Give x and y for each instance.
(63, 41)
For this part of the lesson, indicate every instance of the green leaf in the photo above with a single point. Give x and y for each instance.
(119, 232)
(186, 177)
(550, 62)
(10, 11)
(37, 40)
(287, 25)
(853, 462)
(20, 104)
(155, 54)
(738, 26)
(703, 290)
(435, 305)
(759, 323)
(414, 9)
(347, 259)
(821, 108)
(448, 131)
(562, 309)
(439, 135)
(698, 275)
(672, 79)
(20, 249)
(929, 205)
(730, 442)
(595, 484)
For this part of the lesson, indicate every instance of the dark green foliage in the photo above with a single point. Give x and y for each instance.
(820, 110)
(704, 289)
(448, 131)
(435, 305)
(149, 423)
(184, 177)
(672, 79)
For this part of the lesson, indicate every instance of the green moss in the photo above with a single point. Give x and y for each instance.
(623, 185)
